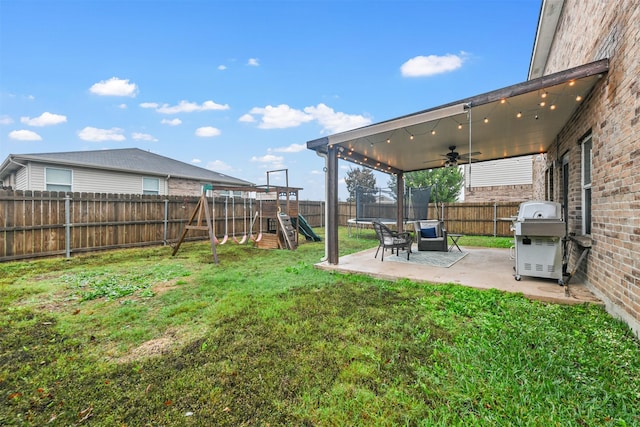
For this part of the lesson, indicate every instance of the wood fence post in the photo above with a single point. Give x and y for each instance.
(67, 226)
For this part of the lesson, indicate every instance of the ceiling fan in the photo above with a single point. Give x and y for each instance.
(453, 156)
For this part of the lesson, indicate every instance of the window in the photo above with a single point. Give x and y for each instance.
(150, 186)
(587, 157)
(57, 179)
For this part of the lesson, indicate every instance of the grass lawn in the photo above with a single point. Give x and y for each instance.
(140, 338)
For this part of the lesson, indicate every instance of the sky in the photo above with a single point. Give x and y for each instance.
(240, 86)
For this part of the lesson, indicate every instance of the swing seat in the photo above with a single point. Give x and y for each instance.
(241, 241)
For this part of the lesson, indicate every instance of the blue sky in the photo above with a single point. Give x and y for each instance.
(240, 86)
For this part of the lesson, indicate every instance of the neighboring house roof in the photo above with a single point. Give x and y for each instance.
(124, 160)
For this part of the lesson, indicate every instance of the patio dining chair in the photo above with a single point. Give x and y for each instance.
(388, 239)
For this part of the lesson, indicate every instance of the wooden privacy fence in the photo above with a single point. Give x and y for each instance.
(40, 223)
(473, 218)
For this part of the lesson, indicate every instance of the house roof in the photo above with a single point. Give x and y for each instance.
(507, 122)
(123, 160)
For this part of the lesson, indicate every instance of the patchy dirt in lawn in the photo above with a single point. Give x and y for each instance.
(155, 347)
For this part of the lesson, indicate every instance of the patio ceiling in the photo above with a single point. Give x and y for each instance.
(513, 121)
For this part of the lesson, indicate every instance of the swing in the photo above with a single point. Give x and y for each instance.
(258, 213)
(226, 233)
(244, 224)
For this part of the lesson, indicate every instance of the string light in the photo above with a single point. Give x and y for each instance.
(388, 140)
(433, 132)
(459, 125)
(552, 107)
(544, 95)
(486, 120)
(578, 98)
(519, 115)
(542, 104)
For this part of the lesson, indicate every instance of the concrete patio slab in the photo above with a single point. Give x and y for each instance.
(482, 268)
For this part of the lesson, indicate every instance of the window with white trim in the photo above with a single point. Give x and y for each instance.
(587, 157)
(58, 179)
(150, 185)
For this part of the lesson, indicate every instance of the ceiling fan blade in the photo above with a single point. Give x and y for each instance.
(441, 161)
(475, 153)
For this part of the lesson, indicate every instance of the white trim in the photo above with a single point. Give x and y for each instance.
(584, 187)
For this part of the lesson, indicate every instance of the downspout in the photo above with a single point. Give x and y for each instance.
(28, 173)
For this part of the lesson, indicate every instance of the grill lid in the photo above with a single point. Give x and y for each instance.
(539, 209)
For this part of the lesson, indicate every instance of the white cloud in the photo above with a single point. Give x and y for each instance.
(218, 166)
(207, 131)
(143, 137)
(45, 119)
(149, 105)
(123, 106)
(280, 117)
(6, 120)
(190, 107)
(253, 62)
(247, 118)
(293, 148)
(222, 67)
(171, 122)
(283, 116)
(334, 122)
(422, 66)
(115, 87)
(196, 161)
(98, 135)
(24, 135)
(275, 162)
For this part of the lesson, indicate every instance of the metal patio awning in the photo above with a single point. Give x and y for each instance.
(517, 120)
(513, 121)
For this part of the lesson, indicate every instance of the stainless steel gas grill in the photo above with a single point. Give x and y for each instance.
(539, 232)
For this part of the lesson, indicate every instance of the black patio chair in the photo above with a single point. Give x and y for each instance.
(388, 239)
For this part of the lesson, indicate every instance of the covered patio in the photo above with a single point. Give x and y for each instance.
(481, 268)
(522, 119)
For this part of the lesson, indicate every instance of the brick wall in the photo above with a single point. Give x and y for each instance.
(183, 187)
(589, 30)
(501, 193)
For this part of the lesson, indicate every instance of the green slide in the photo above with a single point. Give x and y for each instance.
(306, 229)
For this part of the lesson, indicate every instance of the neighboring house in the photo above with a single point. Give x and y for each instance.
(129, 170)
(506, 180)
(593, 167)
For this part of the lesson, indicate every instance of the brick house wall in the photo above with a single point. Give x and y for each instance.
(499, 193)
(184, 187)
(589, 30)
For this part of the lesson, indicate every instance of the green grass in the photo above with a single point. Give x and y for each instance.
(138, 337)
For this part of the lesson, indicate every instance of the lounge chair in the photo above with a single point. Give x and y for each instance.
(388, 239)
(431, 235)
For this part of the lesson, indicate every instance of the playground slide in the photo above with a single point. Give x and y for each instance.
(306, 229)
